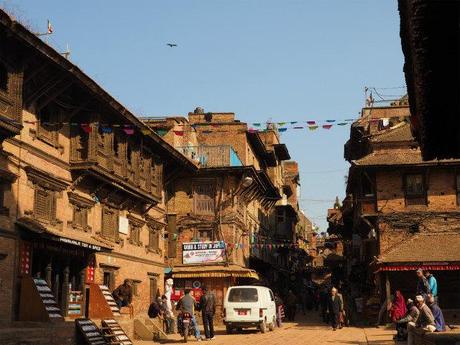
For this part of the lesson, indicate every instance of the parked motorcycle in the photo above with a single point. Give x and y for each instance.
(185, 325)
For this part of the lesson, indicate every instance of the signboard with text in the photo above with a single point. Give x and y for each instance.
(203, 252)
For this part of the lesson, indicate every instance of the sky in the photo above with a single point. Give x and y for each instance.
(270, 60)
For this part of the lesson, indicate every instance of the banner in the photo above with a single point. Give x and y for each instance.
(203, 252)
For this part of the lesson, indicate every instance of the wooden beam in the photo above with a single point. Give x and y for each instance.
(34, 73)
(58, 91)
(47, 86)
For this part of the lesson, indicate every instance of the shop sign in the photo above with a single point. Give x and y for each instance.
(79, 243)
(203, 252)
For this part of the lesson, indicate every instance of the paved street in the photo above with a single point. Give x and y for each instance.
(308, 330)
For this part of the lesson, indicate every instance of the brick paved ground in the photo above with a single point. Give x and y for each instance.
(307, 330)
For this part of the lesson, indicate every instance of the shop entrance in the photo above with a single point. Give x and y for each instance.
(64, 269)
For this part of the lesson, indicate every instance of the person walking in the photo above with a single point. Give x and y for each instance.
(168, 314)
(123, 294)
(208, 310)
(291, 305)
(187, 304)
(433, 283)
(425, 322)
(334, 308)
(423, 287)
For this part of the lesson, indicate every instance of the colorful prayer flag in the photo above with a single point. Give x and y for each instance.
(327, 126)
(284, 129)
(128, 131)
(311, 123)
(179, 133)
(145, 131)
(312, 128)
(342, 124)
(330, 120)
(86, 128)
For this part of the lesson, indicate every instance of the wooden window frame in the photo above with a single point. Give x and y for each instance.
(135, 230)
(79, 202)
(111, 234)
(211, 198)
(48, 133)
(409, 198)
(155, 230)
(49, 212)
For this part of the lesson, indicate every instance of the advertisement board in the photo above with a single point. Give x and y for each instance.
(203, 252)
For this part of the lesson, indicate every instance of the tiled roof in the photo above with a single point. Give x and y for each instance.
(425, 247)
(399, 157)
(400, 132)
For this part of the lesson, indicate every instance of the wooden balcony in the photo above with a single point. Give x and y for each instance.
(141, 177)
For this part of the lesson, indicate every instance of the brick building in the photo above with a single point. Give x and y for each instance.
(262, 224)
(401, 212)
(81, 188)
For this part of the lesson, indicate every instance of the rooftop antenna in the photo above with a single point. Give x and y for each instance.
(49, 30)
(67, 52)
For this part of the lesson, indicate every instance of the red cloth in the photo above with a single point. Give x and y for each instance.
(398, 308)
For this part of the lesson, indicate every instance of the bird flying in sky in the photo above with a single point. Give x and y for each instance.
(171, 44)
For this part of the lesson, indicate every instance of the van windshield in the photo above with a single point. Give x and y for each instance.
(243, 295)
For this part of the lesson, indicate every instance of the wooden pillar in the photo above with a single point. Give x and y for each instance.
(387, 286)
(65, 291)
(48, 272)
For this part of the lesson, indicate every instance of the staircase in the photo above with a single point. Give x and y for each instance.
(110, 301)
(149, 330)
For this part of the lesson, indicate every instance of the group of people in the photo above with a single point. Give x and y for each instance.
(188, 304)
(162, 308)
(419, 316)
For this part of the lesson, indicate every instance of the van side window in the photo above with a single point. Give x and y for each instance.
(272, 297)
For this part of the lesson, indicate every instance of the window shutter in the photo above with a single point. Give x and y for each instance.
(42, 204)
(203, 198)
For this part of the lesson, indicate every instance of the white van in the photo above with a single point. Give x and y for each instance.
(249, 306)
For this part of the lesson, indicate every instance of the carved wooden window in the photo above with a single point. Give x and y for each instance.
(135, 234)
(204, 234)
(47, 127)
(44, 204)
(154, 239)
(204, 197)
(3, 78)
(415, 190)
(157, 176)
(110, 223)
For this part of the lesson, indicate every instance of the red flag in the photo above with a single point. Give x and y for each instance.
(327, 126)
(86, 128)
(311, 122)
(128, 131)
(179, 133)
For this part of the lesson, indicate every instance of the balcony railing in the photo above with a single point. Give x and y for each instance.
(212, 156)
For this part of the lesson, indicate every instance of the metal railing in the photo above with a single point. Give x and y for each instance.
(212, 156)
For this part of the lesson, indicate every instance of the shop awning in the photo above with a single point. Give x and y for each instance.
(76, 239)
(429, 267)
(213, 271)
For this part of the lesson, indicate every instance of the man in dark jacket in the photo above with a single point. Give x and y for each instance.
(208, 310)
(123, 294)
(334, 308)
(423, 287)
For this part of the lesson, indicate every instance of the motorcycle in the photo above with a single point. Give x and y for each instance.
(185, 327)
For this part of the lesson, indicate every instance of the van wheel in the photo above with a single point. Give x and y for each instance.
(272, 325)
(263, 327)
(228, 329)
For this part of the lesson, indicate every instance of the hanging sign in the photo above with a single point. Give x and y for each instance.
(203, 252)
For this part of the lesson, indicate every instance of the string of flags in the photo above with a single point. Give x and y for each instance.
(254, 127)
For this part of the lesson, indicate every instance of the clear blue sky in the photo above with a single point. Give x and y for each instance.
(281, 60)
